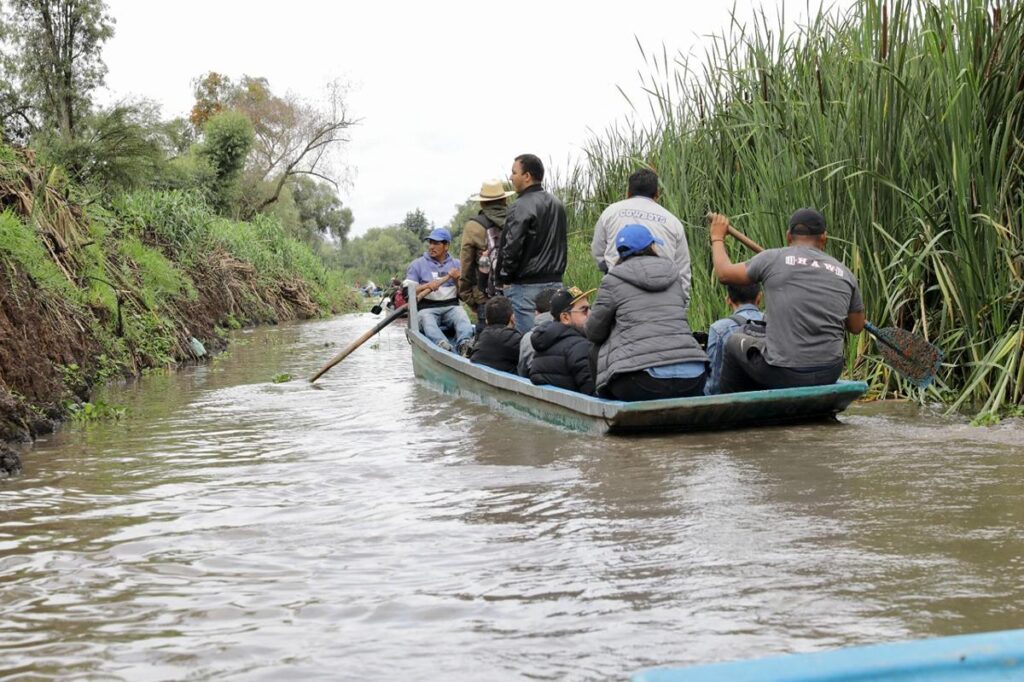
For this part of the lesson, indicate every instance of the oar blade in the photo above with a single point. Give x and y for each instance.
(911, 356)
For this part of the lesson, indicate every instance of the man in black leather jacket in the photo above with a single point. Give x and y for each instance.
(533, 243)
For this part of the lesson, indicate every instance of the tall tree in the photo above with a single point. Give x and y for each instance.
(227, 139)
(416, 222)
(213, 92)
(320, 210)
(55, 57)
(292, 137)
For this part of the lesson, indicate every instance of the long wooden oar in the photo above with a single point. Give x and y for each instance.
(360, 341)
(911, 356)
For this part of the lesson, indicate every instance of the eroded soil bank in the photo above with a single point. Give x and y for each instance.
(95, 292)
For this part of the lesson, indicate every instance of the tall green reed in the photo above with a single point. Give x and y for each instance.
(901, 121)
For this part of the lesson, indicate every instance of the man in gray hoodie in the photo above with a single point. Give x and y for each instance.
(646, 350)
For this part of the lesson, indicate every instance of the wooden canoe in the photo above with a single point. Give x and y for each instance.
(573, 411)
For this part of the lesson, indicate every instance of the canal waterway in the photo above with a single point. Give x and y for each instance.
(370, 528)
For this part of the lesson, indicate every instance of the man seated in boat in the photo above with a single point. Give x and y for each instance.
(562, 351)
(498, 343)
(435, 275)
(542, 314)
(812, 299)
(744, 301)
(645, 348)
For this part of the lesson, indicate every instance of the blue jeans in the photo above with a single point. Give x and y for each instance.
(433, 320)
(522, 297)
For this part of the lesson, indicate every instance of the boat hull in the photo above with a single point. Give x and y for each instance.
(572, 411)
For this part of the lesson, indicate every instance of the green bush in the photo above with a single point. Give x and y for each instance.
(160, 278)
(22, 250)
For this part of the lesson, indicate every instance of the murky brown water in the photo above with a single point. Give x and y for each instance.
(370, 528)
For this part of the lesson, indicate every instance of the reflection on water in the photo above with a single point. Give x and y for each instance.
(369, 527)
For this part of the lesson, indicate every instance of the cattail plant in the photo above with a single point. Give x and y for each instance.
(902, 121)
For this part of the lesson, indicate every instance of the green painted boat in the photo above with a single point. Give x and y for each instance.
(455, 375)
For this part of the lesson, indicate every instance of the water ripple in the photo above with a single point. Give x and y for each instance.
(235, 528)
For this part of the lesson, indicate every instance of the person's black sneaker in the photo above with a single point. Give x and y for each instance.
(464, 348)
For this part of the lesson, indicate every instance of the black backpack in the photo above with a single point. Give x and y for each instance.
(757, 328)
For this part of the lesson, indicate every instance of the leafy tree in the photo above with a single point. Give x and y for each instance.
(213, 92)
(417, 224)
(176, 136)
(227, 139)
(463, 212)
(381, 253)
(16, 120)
(116, 148)
(295, 137)
(291, 136)
(320, 210)
(55, 59)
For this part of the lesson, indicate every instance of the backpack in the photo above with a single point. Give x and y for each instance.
(487, 265)
(756, 328)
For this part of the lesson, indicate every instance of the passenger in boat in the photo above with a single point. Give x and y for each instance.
(641, 207)
(744, 301)
(812, 299)
(542, 315)
(497, 345)
(645, 349)
(562, 351)
(533, 248)
(397, 294)
(481, 236)
(435, 274)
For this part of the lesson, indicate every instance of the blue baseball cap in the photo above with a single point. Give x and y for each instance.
(439, 234)
(633, 238)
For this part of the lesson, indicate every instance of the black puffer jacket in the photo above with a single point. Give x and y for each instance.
(497, 347)
(562, 358)
(533, 243)
(639, 319)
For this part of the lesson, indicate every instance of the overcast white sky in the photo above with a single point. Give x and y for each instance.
(448, 92)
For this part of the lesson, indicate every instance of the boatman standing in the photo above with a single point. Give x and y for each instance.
(811, 299)
(435, 275)
(533, 244)
(641, 207)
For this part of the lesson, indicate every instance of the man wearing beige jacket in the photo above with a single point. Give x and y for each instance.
(480, 236)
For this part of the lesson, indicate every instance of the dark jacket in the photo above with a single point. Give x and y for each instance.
(562, 358)
(533, 243)
(497, 347)
(639, 319)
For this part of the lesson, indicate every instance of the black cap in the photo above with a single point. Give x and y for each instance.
(807, 221)
(564, 299)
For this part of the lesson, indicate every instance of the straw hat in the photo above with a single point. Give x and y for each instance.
(491, 190)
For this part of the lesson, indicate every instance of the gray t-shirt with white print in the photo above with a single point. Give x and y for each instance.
(808, 295)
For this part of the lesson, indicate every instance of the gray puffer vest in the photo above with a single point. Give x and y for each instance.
(639, 319)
